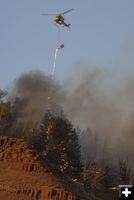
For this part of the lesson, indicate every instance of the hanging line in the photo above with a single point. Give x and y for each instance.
(55, 58)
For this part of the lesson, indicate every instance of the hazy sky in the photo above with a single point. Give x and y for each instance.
(102, 32)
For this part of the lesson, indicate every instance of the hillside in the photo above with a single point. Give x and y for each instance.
(25, 175)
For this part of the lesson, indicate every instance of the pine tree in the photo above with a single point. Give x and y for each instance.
(6, 118)
(60, 144)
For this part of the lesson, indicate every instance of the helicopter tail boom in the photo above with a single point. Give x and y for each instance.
(67, 25)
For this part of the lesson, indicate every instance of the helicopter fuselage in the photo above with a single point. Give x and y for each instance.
(60, 20)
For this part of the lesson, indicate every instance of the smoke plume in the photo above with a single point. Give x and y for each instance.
(103, 101)
(38, 91)
(97, 99)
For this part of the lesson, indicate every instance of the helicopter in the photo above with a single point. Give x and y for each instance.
(59, 19)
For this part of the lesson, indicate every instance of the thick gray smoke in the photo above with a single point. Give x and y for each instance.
(104, 102)
(38, 92)
(97, 99)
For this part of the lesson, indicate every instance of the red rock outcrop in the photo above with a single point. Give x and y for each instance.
(24, 175)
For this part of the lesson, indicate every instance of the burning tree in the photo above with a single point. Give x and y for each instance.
(92, 176)
(60, 144)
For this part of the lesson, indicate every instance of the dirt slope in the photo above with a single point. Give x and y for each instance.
(24, 175)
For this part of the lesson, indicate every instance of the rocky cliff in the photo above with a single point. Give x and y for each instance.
(25, 175)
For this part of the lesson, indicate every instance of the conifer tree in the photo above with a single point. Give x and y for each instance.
(6, 118)
(60, 144)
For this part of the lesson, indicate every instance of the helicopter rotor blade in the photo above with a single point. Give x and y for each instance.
(45, 14)
(67, 11)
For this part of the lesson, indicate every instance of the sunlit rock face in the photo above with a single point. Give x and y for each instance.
(25, 175)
